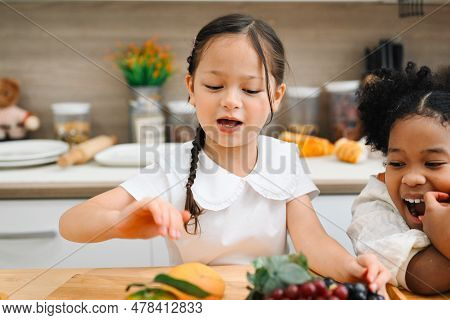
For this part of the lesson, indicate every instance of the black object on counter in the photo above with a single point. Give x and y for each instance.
(388, 55)
(410, 8)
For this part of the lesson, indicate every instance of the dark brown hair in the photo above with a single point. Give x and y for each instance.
(387, 96)
(266, 43)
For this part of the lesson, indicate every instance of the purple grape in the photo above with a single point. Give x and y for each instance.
(321, 288)
(277, 294)
(307, 290)
(341, 292)
(332, 297)
(329, 281)
(360, 287)
(291, 292)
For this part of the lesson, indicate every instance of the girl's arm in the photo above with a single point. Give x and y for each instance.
(428, 272)
(116, 214)
(326, 256)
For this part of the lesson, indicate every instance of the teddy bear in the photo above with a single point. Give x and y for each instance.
(14, 121)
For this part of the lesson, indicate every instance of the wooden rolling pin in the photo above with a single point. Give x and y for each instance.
(85, 151)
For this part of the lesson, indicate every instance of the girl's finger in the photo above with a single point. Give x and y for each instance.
(165, 218)
(186, 216)
(431, 197)
(155, 211)
(363, 262)
(373, 269)
(383, 277)
(356, 269)
(174, 222)
(179, 219)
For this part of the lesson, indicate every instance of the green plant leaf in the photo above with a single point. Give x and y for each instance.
(260, 262)
(181, 285)
(291, 273)
(152, 294)
(254, 295)
(299, 259)
(271, 284)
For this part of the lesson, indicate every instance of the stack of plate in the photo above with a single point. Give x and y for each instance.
(24, 153)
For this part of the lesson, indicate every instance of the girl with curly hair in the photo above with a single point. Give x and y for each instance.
(403, 215)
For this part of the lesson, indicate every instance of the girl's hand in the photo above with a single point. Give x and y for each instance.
(436, 220)
(149, 218)
(366, 267)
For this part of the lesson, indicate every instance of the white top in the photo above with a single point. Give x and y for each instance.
(378, 227)
(244, 217)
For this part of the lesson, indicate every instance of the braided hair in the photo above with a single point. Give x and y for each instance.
(387, 96)
(266, 43)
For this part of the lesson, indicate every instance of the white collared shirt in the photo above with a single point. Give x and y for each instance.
(243, 217)
(378, 227)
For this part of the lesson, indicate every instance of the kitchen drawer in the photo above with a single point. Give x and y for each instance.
(29, 238)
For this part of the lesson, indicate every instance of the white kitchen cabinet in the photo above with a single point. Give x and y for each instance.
(29, 238)
(334, 212)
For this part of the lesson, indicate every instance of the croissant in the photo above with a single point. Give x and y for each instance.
(309, 146)
(350, 151)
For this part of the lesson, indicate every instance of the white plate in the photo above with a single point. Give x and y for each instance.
(33, 149)
(122, 155)
(27, 163)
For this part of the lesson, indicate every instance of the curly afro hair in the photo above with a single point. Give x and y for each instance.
(386, 96)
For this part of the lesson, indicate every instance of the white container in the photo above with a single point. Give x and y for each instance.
(181, 121)
(147, 122)
(146, 119)
(72, 121)
(344, 117)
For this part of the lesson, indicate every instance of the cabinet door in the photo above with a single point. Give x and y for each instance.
(29, 238)
(334, 212)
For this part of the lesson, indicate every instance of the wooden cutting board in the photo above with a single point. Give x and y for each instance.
(101, 286)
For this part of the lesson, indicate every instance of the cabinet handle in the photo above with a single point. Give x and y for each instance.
(28, 235)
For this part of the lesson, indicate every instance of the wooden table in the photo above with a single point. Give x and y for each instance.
(110, 283)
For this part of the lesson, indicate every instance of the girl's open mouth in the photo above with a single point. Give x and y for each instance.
(228, 125)
(416, 207)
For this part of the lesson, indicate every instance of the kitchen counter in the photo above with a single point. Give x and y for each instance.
(84, 181)
(67, 284)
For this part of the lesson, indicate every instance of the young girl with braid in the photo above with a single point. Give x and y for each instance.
(232, 194)
(403, 215)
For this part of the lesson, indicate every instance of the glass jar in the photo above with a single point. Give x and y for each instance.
(302, 109)
(146, 118)
(344, 117)
(181, 121)
(72, 121)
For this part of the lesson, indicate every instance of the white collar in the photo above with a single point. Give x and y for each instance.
(275, 175)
